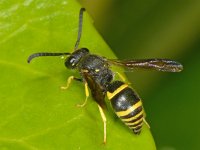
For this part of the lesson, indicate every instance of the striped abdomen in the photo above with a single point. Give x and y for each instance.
(126, 104)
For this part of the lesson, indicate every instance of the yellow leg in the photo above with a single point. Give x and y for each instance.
(69, 80)
(122, 77)
(87, 95)
(146, 122)
(104, 123)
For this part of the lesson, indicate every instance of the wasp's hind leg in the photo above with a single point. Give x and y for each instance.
(103, 116)
(69, 80)
(86, 94)
(144, 120)
(122, 77)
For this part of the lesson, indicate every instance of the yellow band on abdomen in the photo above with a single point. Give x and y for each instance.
(111, 95)
(134, 117)
(129, 110)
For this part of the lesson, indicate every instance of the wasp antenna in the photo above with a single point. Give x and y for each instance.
(44, 54)
(80, 25)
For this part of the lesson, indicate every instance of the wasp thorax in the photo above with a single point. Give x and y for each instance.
(73, 60)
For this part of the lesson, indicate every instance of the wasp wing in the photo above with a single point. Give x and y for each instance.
(98, 93)
(165, 65)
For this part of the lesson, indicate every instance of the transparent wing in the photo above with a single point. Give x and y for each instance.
(165, 65)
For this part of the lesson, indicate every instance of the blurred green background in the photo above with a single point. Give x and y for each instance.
(161, 29)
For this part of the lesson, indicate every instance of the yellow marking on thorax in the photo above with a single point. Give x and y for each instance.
(111, 95)
(84, 70)
(133, 118)
(97, 70)
(131, 109)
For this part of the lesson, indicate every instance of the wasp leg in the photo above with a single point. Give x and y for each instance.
(69, 80)
(122, 77)
(86, 94)
(104, 123)
(146, 123)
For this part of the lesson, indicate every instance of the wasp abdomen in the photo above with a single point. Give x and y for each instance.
(126, 104)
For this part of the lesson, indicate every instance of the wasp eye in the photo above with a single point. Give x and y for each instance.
(72, 60)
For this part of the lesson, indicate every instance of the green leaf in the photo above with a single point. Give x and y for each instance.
(35, 113)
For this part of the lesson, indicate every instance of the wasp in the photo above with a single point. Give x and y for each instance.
(96, 74)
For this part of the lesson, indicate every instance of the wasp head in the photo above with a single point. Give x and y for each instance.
(73, 60)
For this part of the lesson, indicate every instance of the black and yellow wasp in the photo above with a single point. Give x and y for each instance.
(95, 72)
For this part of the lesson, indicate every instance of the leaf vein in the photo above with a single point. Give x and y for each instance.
(14, 33)
(47, 130)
